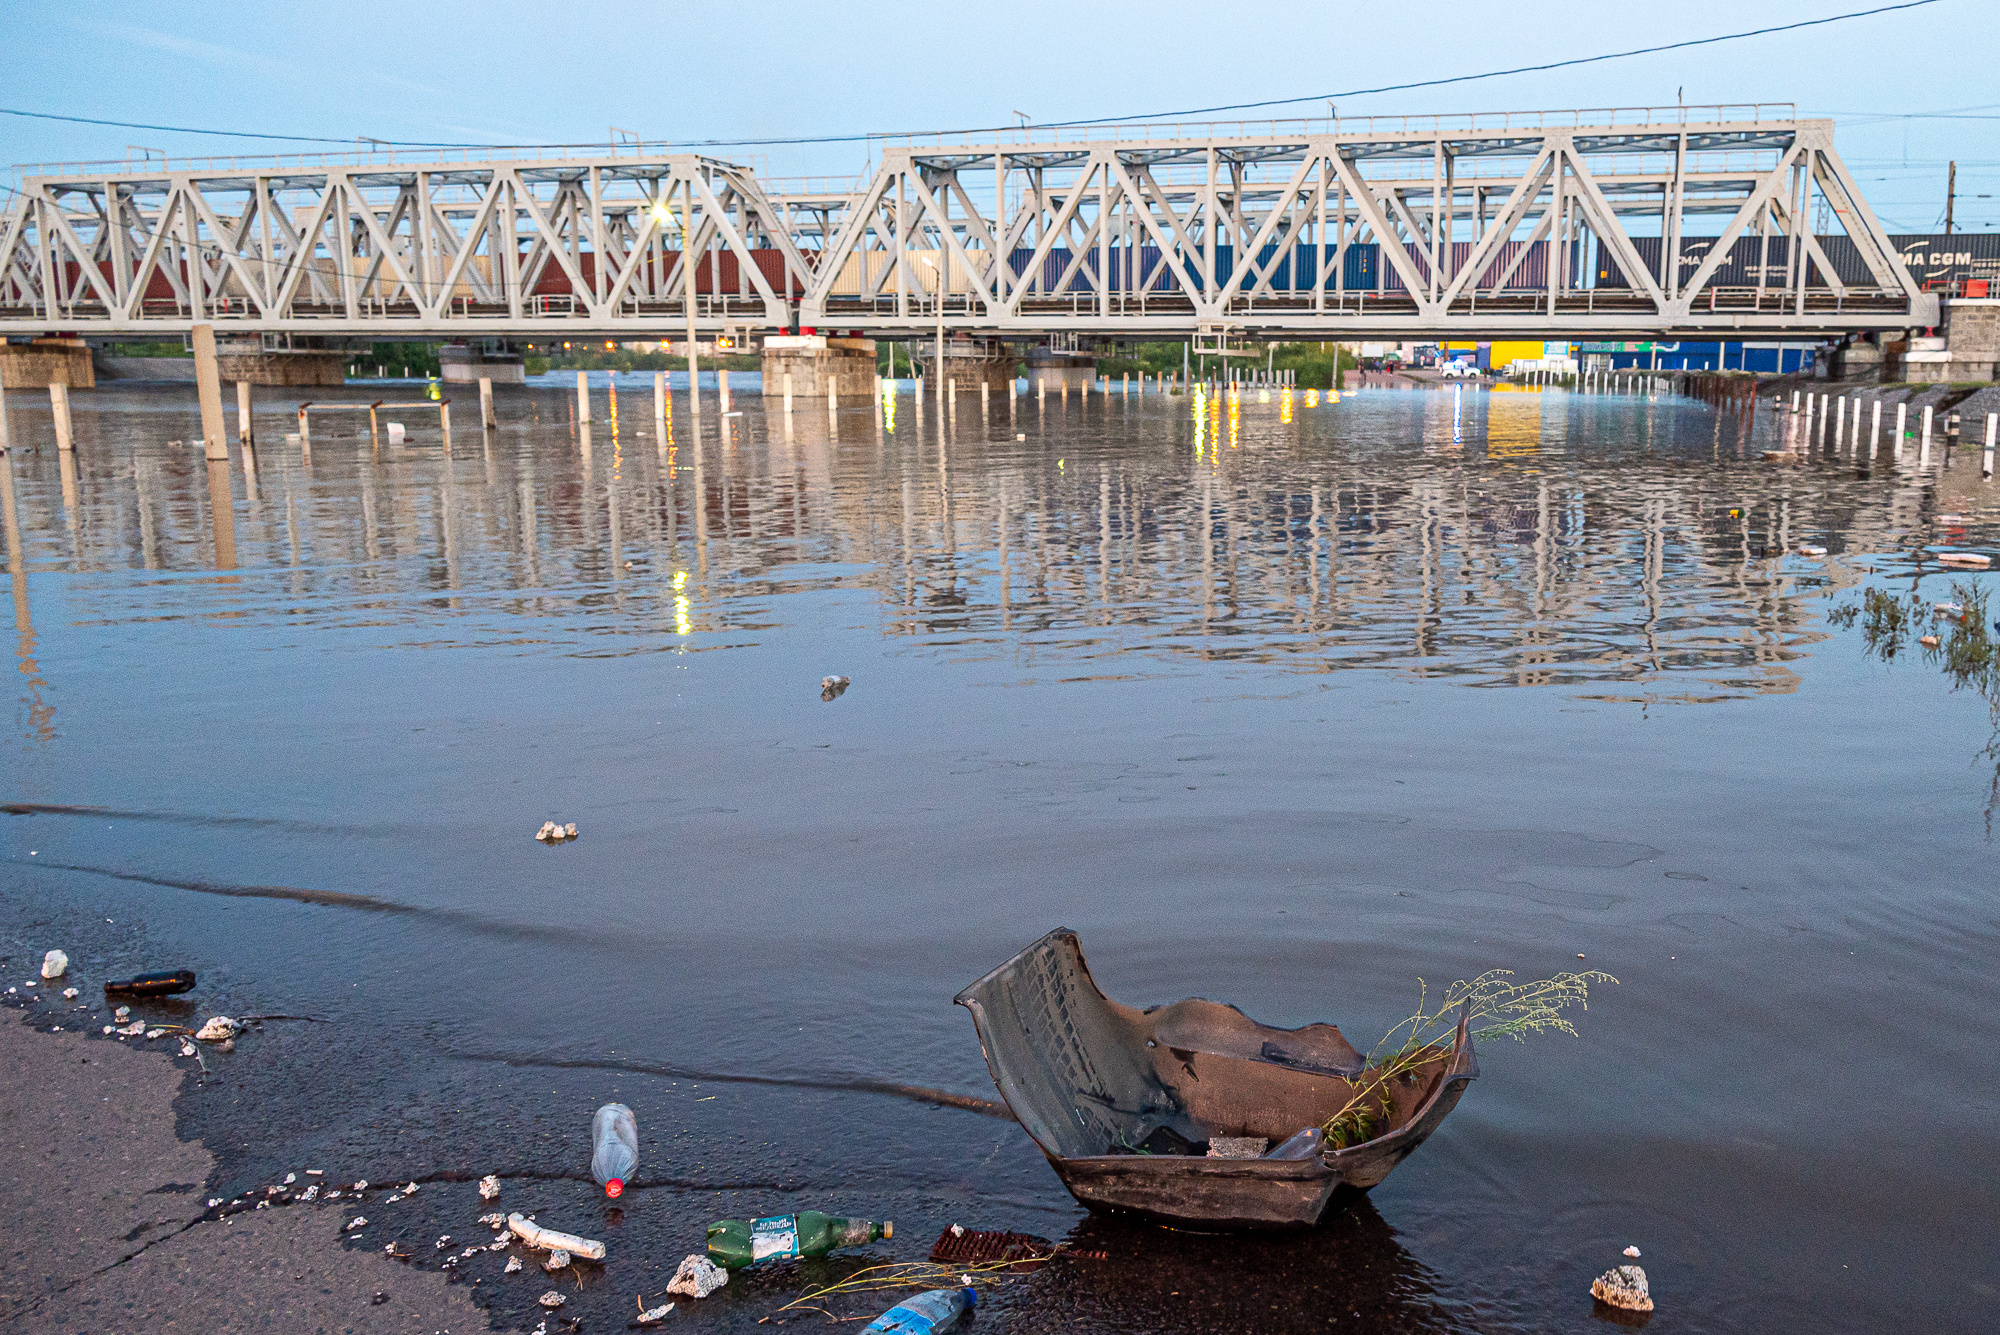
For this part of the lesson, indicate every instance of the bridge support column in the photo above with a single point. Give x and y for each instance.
(816, 365)
(59, 409)
(208, 385)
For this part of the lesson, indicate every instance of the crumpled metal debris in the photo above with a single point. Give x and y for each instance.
(698, 1277)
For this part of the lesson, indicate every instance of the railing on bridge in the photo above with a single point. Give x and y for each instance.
(1491, 223)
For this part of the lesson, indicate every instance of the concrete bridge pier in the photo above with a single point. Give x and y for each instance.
(819, 365)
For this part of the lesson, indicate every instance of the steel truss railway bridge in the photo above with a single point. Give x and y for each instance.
(1723, 222)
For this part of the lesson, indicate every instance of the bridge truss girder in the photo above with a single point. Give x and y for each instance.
(1141, 236)
(1137, 235)
(427, 250)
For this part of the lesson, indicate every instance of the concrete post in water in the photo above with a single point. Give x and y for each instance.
(722, 387)
(660, 405)
(59, 409)
(1875, 430)
(208, 384)
(788, 393)
(487, 421)
(1902, 414)
(1840, 420)
(832, 399)
(6, 437)
(878, 400)
(1992, 430)
(1041, 391)
(444, 425)
(1924, 443)
(582, 397)
(305, 432)
(951, 396)
(243, 432)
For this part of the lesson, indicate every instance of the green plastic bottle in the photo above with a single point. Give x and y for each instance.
(734, 1244)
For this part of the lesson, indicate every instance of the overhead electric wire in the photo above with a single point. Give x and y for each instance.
(992, 129)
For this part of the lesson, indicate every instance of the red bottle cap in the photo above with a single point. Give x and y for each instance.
(614, 1188)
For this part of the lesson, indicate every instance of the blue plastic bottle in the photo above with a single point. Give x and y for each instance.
(930, 1313)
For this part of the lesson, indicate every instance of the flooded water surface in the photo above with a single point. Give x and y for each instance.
(1279, 702)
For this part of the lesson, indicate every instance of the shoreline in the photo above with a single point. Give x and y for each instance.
(109, 1224)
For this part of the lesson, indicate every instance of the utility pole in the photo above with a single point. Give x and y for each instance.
(1950, 196)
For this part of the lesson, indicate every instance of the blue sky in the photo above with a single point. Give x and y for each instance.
(1907, 88)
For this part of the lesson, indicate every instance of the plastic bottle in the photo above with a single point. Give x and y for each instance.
(734, 1244)
(614, 1133)
(930, 1313)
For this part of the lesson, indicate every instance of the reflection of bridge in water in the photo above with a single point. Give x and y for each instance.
(1613, 223)
(1621, 548)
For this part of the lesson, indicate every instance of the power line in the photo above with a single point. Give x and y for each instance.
(1065, 124)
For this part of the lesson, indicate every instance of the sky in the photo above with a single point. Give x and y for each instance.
(1909, 90)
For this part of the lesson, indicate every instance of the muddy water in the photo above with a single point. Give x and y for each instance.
(1288, 705)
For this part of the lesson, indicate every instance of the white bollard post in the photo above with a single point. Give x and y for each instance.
(444, 425)
(1992, 430)
(487, 420)
(1902, 417)
(1795, 401)
(59, 409)
(985, 398)
(582, 396)
(1875, 430)
(832, 400)
(722, 387)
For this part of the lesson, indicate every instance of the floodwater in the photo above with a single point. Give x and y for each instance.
(1285, 704)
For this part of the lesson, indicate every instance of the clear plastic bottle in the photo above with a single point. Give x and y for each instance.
(930, 1313)
(614, 1133)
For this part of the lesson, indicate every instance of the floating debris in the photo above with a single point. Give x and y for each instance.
(697, 1278)
(312, 1193)
(1807, 549)
(444, 1240)
(830, 688)
(120, 1014)
(410, 1190)
(1929, 641)
(358, 1221)
(1238, 1147)
(69, 994)
(54, 963)
(494, 1220)
(552, 833)
(134, 1028)
(152, 1034)
(551, 1299)
(513, 1264)
(1964, 560)
(489, 1189)
(218, 1029)
(961, 1246)
(650, 1316)
(558, 1260)
(1623, 1286)
(500, 1244)
(152, 984)
(1947, 610)
(549, 1239)
(1632, 1252)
